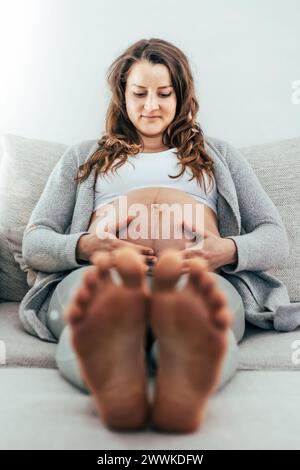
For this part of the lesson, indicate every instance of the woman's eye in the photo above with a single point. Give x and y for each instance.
(143, 94)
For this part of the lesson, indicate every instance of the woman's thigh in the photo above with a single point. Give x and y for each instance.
(61, 297)
(235, 306)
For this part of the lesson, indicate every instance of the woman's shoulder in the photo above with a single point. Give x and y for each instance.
(229, 152)
(76, 154)
(216, 143)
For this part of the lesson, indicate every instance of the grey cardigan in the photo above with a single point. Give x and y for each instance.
(246, 215)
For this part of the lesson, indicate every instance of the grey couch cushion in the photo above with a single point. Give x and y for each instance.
(23, 349)
(277, 165)
(13, 284)
(25, 167)
(43, 411)
(270, 349)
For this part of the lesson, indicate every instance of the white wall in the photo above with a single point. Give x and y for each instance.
(245, 56)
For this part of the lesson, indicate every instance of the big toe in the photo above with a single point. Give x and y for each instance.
(168, 270)
(205, 284)
(129, 264)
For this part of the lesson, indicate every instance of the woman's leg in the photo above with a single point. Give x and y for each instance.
(66, 359)
(235, 333)
(61, 297)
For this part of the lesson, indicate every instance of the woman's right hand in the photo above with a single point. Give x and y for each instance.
(90, 243)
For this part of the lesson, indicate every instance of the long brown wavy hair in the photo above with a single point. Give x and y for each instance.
(121, 137)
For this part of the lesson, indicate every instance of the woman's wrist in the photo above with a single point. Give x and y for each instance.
(90, 242)
(81, 251)
(231, 252)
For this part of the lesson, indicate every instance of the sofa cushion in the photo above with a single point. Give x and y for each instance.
(13, 285)
(277, 165)
(255, 410)
(25, 167)
(14, 238)
(269, 349)
(23, 349)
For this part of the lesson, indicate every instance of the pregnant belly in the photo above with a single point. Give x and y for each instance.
(163, 218)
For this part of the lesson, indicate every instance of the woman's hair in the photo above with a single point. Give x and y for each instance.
(121, 137)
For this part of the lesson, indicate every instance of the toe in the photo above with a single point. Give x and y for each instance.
(200, 278)
(204, 282)
(218, 306)
(216, 298)
(73, 314)
(130, 266)
(82, 297)
(168, 270)
(103, 262)
(90, 279)
(222, 318)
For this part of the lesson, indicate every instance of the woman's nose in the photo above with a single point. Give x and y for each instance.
(151, 103)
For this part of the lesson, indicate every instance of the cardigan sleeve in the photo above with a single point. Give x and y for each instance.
(263, 243)
(45, 245)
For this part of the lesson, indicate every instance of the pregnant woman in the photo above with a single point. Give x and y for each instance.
(150, 261)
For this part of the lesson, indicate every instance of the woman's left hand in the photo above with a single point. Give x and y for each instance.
(217, 251)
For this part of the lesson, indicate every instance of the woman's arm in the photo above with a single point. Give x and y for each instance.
(46, 247)
(264, 243)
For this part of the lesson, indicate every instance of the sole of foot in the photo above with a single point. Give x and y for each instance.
(190, 326)
(108, 326)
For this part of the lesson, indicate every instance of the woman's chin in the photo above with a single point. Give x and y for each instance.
(151, 134)
(151, 130)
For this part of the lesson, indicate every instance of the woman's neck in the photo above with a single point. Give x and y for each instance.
(148, 149)
(154, 144)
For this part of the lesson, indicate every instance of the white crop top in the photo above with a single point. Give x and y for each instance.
(152, 170)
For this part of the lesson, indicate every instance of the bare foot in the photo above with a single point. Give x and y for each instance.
(190, 326)
(108, 327)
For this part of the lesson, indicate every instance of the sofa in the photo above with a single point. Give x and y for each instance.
(257, 409)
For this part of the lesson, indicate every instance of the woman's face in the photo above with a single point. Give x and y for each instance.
(149, 92)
